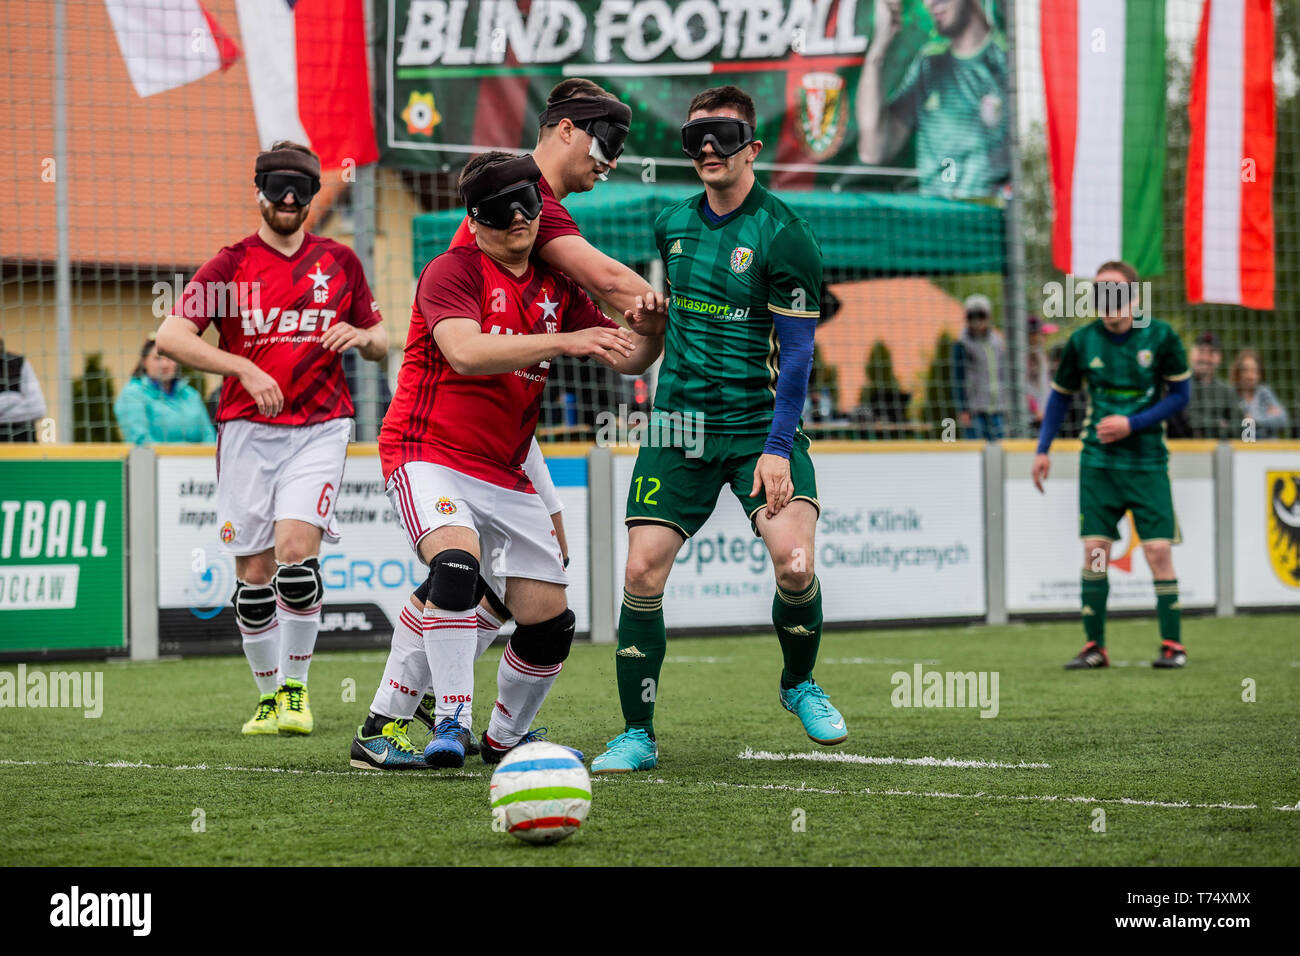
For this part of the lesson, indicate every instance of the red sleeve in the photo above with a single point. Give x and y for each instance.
(580, 312)
(555, 222)
(220, 269)
(364, 312)
(450, 287)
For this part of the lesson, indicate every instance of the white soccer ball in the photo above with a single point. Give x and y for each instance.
(540, 792)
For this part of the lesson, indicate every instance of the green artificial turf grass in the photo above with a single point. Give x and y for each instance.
(1128, 733)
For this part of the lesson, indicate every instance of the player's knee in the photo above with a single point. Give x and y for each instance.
(545, 644)
(299, 586)
(794, 578)
(254, 605)
(643, 576)
(454, 580)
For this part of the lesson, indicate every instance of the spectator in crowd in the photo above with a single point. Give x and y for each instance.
(1255, 399)
(156, 407)
(1072, 424)
(1212, 411)
(21, 401)
(1038, 377)
(980, 372)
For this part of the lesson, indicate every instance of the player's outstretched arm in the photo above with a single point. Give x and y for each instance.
(179, 339)
(880, 131)
(606, 280)
(473, 352)
(1057, 405)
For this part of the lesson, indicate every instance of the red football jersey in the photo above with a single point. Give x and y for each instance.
(480, 425)
(555, 222)
(273, 309)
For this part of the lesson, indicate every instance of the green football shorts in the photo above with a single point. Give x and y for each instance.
(670, 488)
(1105, 494)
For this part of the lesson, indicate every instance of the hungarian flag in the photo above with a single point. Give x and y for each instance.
(307, 73)
(1104, 74)
(168, 43)
(1228, 212)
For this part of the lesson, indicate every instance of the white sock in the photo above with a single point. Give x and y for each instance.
(450, 642)
(521, 688)
(299, 628)
(407, 672)
(488, 626)
(262, 648)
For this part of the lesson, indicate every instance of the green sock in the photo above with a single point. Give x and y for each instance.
(642, 640)
(1168, 612)
(1096, 588)
(798, 622)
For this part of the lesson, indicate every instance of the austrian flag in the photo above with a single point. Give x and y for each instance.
(1228, 214)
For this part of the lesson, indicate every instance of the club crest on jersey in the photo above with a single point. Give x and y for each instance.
(227, 533)
(1282, 496)
(740, 259)
(1144, 358)
(445, 506)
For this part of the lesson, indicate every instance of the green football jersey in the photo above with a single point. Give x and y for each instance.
(1123, 378)
(957, 105)
(725, 280)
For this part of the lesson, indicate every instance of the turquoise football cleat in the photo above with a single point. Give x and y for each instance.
(633, 750)
(821, 721)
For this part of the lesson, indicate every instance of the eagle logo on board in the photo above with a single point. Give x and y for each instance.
(445, 506)
(741, 257)
(1282, 493)
(1144, 358)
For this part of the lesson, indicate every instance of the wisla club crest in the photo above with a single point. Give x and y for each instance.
(227, 533)
(740, 259)
(1283, 499)
(445, 506)
(821, 113)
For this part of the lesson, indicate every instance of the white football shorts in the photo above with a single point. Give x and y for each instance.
(266, 473)
(515, 533)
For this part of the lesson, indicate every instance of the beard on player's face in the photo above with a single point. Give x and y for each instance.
(284, 218)
(951, 17)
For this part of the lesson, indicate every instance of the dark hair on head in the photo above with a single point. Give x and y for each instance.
(290, 144)
(720, 97)
(1123, 268)
(480, 162)
(575, 86)
(1242, 356)
(150, 344)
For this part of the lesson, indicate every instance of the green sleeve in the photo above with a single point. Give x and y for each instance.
(1173, 358)
(1069, 374)
(907, 99)
(794, 272)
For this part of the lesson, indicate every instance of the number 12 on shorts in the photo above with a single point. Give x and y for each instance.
(652, 487)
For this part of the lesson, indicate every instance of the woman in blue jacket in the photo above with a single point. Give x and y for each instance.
(156, 407)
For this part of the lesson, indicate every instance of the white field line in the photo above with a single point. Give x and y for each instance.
(838, 757)
(942, 795)
(802, 788)
(139, 765)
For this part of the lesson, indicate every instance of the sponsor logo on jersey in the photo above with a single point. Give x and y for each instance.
(227, 532)
(823, 113)
(445, 506)
(701, 307)
(1282, 494)
(675, 248)
(256, 322)
(1097, 363)
(741, 257)
(1144, 358)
